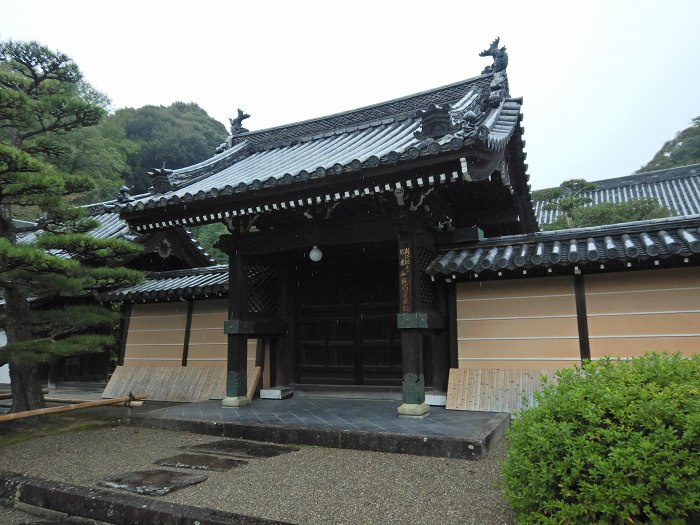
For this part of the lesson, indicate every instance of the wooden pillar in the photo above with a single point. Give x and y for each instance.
(283, 350)
(408, 321)
(237, 358)
(124, 320)
(582, 317)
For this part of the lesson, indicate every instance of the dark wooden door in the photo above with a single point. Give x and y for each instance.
(347, 320)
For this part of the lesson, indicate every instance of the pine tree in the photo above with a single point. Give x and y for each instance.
(49, 271)
(681, 150)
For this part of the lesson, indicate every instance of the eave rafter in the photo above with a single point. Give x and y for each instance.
(316, 192)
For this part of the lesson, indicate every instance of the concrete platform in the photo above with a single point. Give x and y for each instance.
(360, 424)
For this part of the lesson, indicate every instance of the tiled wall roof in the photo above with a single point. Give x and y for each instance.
(190, 283)
(634, 242)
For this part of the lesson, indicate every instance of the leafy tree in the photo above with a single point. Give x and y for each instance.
(682, 150)
(48, 276)
(208, 235)
(100, 152)
(176, 136)
(566, 198)
(614, 213)
(575, 211)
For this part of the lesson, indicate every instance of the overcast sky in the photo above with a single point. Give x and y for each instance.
(604, 83)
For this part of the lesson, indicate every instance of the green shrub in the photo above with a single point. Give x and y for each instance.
(610, 442)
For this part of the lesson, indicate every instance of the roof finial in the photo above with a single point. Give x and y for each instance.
(500, 57)
(237, 123)
(123, 195)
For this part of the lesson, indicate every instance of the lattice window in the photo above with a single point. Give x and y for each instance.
(263, 289)
(427, 286)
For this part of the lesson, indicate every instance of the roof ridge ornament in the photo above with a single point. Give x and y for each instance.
(160, 181)
(123, 195)
(236, 128)
(436, 122)
(237, 123)
(500, 57)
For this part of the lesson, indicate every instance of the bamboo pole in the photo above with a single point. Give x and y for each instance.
(67, 408)
(8, 395)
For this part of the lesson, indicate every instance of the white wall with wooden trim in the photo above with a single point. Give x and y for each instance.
(208, 343)
(156, 335)
(529, 327)
(155, 345)
(632, 313)
(528, 324)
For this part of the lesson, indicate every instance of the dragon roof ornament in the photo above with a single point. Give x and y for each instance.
(500, 57)
(236, 129)
(472, 122)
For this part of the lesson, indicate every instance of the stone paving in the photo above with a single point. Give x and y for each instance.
(362, 415)
(360, 424)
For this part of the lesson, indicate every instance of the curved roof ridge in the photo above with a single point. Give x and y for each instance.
(648, 176)
(370, 113)
(677, 188)
(671, 222)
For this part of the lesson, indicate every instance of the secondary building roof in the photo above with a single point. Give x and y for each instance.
(195, 283)
(112, 226)
(676, 188)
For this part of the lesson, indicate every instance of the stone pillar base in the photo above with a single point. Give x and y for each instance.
(410, 409)
(233, 402)
(279, 392)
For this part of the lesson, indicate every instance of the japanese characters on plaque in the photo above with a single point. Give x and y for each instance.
(405, 279)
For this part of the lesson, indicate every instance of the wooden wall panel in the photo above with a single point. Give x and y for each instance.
(504, 307)
(642, 301)
(517, 324)
(157, 352)
(636, 346)
(494, 389)
(152, 362)
(517, 328)
(216, 355)
(509, 288)
(529, 325)
(650, 324)
(644, 280)
(210, 314)
(156, 335)
(636, 312)
(514, 364)
(208, 342)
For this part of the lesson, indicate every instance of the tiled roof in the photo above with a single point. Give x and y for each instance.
(405, 106)
(632, 243)
(111, 226)
(364, 139)
(190, 283)
(676, 188)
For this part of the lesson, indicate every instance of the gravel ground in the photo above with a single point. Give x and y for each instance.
(311, 486)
